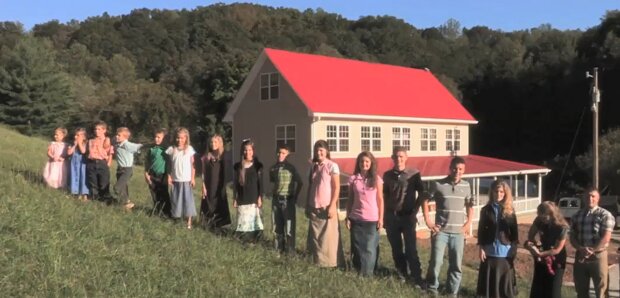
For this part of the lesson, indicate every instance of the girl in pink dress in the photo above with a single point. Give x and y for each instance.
(55, 171)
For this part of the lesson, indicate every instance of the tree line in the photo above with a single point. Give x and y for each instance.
(164, 68)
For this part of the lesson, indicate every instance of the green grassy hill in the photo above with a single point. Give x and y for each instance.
(54, 245)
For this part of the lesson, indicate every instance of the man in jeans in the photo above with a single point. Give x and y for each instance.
(400, 187)
(591, 229)
(453, 214)
(286, 187)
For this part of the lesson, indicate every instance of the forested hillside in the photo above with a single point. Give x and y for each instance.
(163, 68)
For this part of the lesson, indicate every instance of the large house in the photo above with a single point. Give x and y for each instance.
(297, 99)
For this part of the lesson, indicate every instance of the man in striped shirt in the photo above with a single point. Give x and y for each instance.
(453, 215)
(591, 229)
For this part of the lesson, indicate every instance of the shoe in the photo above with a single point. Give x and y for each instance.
(189, 227)
(129, 205)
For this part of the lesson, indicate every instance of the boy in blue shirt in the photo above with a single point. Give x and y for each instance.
(124, 154)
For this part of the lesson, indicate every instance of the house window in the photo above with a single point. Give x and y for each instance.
(401, 136)
(338, 138)
(428, 139)
(453, 140)
(285, 135)
(371, 138)
(269, 86)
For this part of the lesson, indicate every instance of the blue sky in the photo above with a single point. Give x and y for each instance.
(507, 15)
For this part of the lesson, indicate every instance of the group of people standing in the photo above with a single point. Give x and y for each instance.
(390, 201)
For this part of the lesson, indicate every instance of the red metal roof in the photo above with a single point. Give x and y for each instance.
(344, 86)
(438, 166)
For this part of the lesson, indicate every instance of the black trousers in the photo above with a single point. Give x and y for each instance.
(283, 216)
(98, 174)
(160, 194)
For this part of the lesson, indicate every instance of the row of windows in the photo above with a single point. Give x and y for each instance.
(337, 137)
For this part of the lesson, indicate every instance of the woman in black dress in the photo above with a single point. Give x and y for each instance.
(498, 236)
(214, 205)
(549, 254)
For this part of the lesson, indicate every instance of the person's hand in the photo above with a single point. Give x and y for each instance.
(380, 224)
(235, 205)
(259, 202)
(465, 229)
(147, 178)
(204, 192)
(432, 227)
(347, 222)
(169, 180)
(332, 212)
(482, 255)
(193, 182)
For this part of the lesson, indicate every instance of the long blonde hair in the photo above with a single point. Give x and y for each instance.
(551, 210)
(506, 203)
(219, 152)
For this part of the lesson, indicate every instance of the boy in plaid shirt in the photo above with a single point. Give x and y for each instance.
(286, 187)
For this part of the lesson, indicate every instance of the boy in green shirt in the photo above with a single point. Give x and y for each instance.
(155, 174)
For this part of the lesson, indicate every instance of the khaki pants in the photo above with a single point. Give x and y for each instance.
(595, 268)
(324, 239)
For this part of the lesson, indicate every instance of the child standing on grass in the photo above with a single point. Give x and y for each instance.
(248, 194)
(78, 184)
(181, 175)
(155, 174)
(55, 171)
(100, 152)
(286, 187)
(124, 151)
(214, 205)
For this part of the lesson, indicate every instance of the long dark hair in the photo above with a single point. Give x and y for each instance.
(242, 163)
(372, 172)
(320, 144)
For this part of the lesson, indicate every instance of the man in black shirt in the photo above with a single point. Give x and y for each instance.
(400, 186)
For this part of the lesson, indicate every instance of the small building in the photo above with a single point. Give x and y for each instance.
(297, 99)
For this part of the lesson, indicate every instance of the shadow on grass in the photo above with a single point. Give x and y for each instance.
(30, 176)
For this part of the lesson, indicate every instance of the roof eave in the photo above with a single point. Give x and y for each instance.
(393, 118)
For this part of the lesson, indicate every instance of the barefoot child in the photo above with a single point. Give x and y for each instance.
(155, 174)
(181, 175)
(78, 180)
(55, 171)
(124, 151)
(100, 152)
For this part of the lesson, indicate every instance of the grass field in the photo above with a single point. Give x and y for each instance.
(53, 245)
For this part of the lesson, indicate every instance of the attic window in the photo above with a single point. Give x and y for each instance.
(269, 86)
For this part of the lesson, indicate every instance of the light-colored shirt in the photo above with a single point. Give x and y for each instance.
(124, 153)
(181, 163)
(365, 207)
(321, 183)
(451, 200)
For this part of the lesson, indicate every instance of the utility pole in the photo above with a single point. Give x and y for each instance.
(596, 98)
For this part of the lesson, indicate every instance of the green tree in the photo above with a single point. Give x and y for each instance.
(34, 94)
